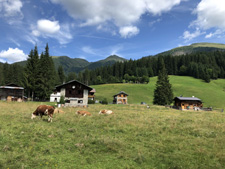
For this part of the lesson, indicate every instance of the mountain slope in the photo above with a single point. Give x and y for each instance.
(70, 64)
(108, 61)
(77, 64)
(195, 47)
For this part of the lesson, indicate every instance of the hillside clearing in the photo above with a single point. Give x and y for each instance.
(212, 94)
(134, 137)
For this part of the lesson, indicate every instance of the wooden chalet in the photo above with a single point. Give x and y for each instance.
(74, 92)
(120, 98)
(91, 94)
(11, 92)
(186, 103)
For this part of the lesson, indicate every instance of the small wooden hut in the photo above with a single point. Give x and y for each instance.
(120, 98)
(187, 103)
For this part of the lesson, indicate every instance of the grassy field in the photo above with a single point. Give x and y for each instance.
(133, 137)
(212, 94)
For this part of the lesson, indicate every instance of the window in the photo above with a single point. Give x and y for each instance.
(80, 101)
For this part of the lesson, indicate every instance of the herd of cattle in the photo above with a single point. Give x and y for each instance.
(45, 110)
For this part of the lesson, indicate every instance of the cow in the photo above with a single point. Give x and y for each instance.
(83, 113)
(106, 112)
(44, 110)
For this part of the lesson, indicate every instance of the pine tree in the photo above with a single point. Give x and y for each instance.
(163, 94)
(61, 74)
(47, 75)
(31, 72)
(71, 76)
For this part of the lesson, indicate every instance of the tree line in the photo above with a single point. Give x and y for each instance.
(201, 65)
(39, 76)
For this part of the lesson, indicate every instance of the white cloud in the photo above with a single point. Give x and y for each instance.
(52, 29)
(210, 14)
(10, 7)
(119, 12)
(89, 50)
(12, 55)
(11, 10)
(209, 35)
(189, 36)
(128, 31)
(47, 26)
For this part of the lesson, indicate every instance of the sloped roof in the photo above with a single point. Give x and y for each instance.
(93, 91)
(60, 86)
(11, 87)
(121, 92)
(188, 98)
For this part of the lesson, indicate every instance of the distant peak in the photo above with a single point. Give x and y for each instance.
(115, 57)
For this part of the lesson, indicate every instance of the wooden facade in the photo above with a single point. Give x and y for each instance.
(11, 92)
(120, 98)
(186, 103)
(91, 94)
(74, 92)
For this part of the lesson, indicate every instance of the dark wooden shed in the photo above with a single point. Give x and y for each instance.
(12, 92)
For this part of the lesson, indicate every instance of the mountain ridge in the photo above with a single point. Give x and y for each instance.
(193, 48)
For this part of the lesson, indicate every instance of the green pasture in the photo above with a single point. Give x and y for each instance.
(133, 137)
(212, 94)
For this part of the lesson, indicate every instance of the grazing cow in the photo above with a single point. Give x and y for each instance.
(106, 112)
(44, 110)
(83, 113)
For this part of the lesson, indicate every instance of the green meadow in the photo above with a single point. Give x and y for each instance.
(133, 137)
(212, 94)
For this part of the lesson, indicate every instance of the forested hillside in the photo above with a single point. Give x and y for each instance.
(201, 65)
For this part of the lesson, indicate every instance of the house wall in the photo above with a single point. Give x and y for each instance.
(121, 99)
(188, 104)
(74, 101)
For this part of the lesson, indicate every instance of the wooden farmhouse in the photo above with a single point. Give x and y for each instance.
(11, 92)
(120, 98)
(74, 92)
(188, 103)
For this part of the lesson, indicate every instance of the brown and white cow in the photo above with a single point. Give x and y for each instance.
(106, 112)
(44, 110)
(83, 113)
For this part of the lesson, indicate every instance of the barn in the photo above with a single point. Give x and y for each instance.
(120, 98)
(11, 92)
(187, 103)
(74, 92)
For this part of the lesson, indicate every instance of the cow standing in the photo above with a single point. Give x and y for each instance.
(44, 110)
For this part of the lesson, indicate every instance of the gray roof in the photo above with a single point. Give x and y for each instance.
(11, 87)
(188, 98)
(121, 92)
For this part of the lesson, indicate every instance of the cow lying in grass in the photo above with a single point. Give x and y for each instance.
(44, 110)
(106, 112)
(83, 113)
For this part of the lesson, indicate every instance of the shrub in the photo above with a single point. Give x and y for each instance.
(62, 101)
(91, 102)
(104, 101)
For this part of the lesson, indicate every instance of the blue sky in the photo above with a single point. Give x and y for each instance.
(96, 29)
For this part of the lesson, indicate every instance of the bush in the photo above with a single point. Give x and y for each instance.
(91, 102)
(104, 101)
(62, 101)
